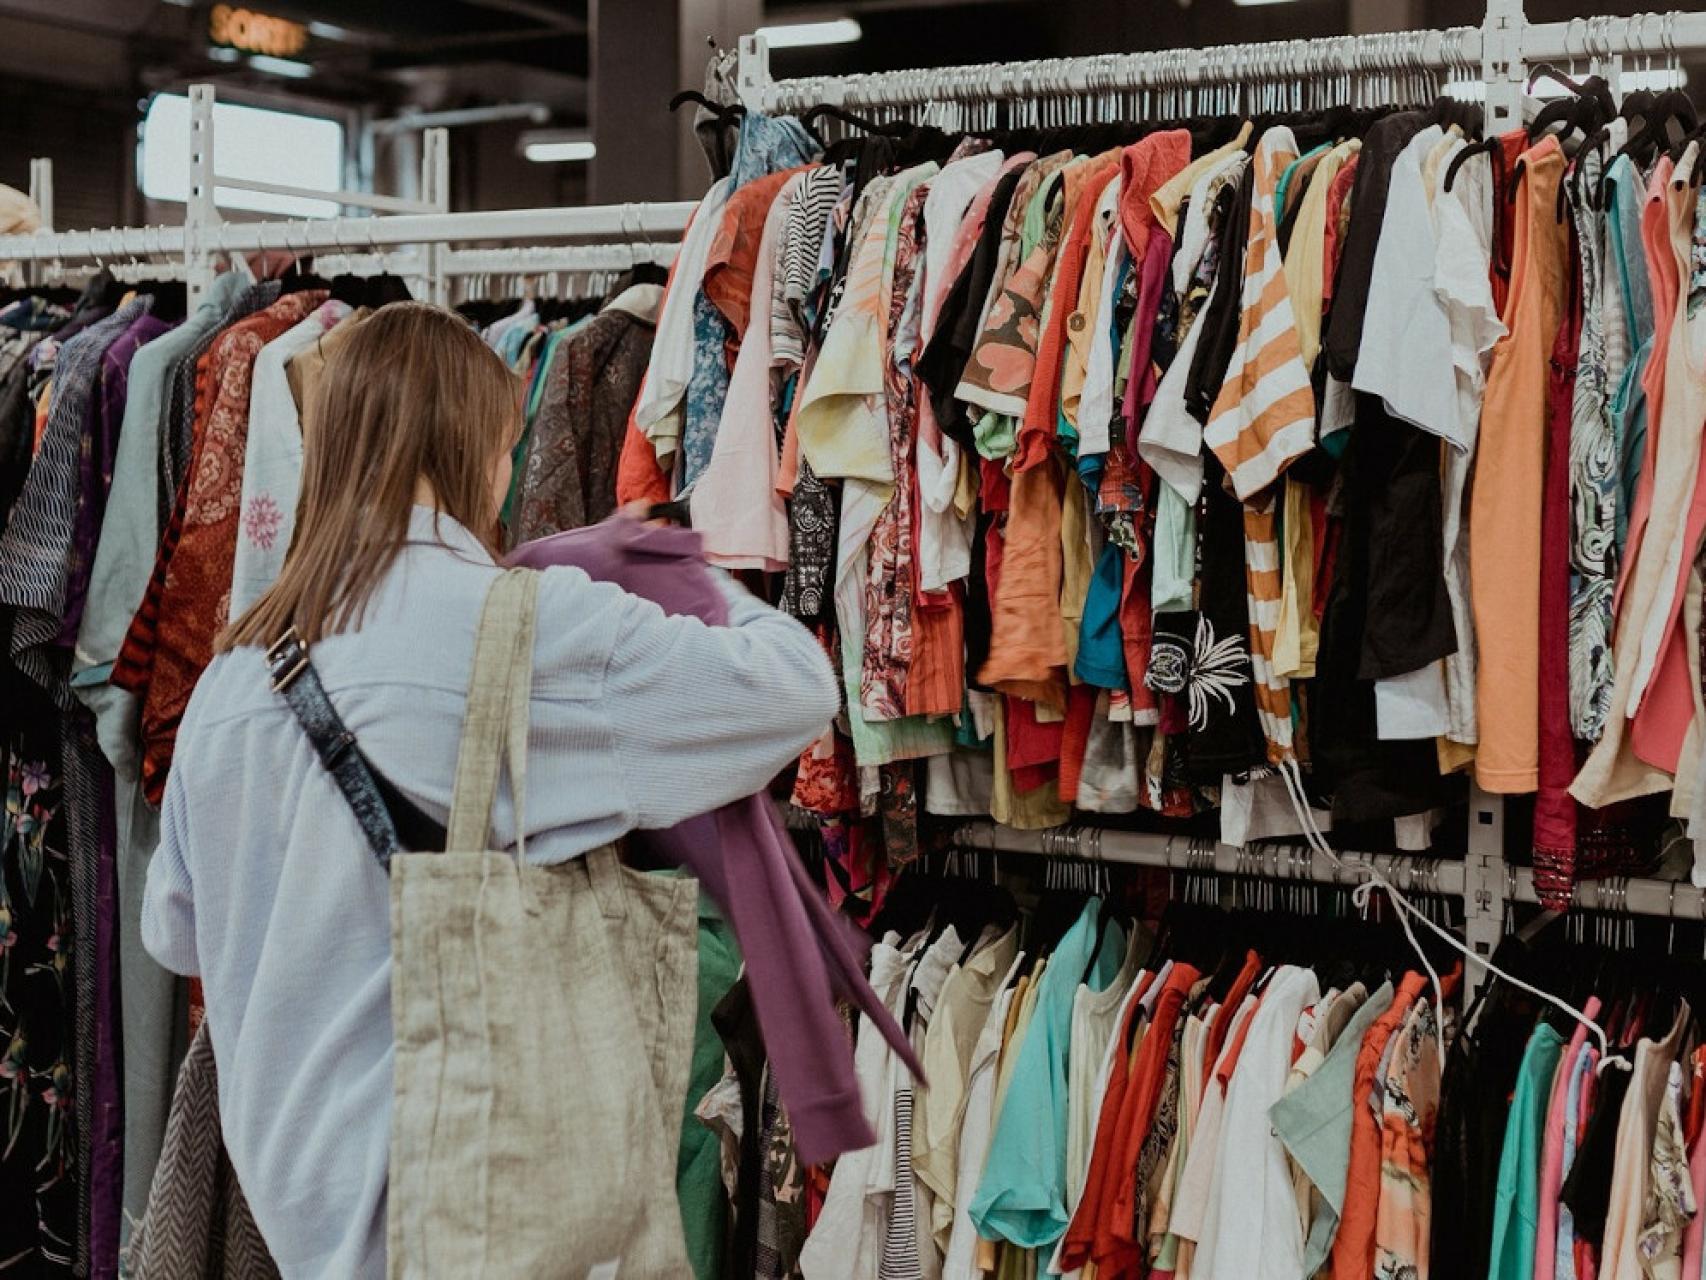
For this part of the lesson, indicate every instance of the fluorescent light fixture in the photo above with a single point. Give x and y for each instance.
(1657, 79)
(223, 53)
(288, 67)
(1251, 4)
(799, 35)
(559, 152)
(248, 142)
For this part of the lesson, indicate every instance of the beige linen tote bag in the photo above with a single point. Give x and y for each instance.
(529, 1138)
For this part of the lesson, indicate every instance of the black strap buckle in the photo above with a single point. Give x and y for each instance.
(287, 658)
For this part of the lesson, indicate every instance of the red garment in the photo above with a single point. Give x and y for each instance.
(1334, 244)
(733, 255)
(1081, 1231)
(1102, 1228)
(936, 683)
(1075, 739)
(639, 478)
(1554, 809)
(1511, 147)
(1242, 985)
(1121, 1240)
(1042, 403)
(1031, 741)
(192, 597)
(1353, 1247)
(1145, 167)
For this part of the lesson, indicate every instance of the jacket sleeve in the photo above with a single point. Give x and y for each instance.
(702, 715)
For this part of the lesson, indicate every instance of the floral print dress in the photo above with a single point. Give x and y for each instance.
(37, 1132)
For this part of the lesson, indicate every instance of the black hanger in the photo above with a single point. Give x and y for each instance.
(1487, 146)
(1104, 918)
(722, 110)
(1671, 107)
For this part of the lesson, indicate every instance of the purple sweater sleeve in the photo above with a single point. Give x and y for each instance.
(800, 954)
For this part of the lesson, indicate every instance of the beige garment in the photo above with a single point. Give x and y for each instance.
(1620, 1257)
(1165, 203)
(526, 1141)
(1197, 1179)
(1081, 325)
(1031, 810)
(949, 1044)
(1297, 636)
(1076, 566)
(18, 216)
(304, 370)
(1683, 799)
(1305, 252)
(1019, 1022)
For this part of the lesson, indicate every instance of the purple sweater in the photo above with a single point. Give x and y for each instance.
(800, 955)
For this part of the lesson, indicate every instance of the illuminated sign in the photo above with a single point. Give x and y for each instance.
(256, 32)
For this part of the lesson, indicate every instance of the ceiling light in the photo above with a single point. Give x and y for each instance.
(560, 150)
(1251, 4)
(798, 35)
(220, 53)
(281, 66)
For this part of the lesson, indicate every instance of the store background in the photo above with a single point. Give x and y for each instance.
(75, 76)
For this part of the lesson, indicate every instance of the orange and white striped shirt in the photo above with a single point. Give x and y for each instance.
(1263, 419)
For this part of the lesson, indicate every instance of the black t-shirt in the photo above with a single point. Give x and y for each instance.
(943, 361)
(1380, 149)
(1224, 314)
(1225, 734)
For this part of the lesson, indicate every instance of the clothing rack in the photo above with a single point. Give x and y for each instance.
(1237, 77)
(205, 237)
(1498, 52)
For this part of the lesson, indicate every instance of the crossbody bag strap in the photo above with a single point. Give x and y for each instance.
(296, 681)
(494, 723)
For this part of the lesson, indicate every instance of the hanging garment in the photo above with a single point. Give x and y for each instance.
(569, 474)
(1505, 500)
(197, 1225)
(798, 952)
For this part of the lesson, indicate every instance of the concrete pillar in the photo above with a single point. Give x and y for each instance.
(1368, 17)
(643, 51)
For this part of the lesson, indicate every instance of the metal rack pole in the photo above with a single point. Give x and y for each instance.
(435, 188)
(1278, 860)
(200, 213)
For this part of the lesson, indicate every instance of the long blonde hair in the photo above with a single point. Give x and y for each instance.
(411, 395)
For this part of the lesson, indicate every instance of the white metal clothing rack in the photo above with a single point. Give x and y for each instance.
(1254, 77)
(205, 237)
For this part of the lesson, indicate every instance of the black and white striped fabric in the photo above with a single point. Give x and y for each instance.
(36, 545)
(900, 1246)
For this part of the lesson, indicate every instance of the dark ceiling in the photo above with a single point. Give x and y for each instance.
(455, 53)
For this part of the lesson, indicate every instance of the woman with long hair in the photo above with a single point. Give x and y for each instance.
(264, 886)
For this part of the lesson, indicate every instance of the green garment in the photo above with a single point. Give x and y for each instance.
(1314, 1122)
(1283, 189)
(1021, 1195)
(1516, 1208)
(698, 1165)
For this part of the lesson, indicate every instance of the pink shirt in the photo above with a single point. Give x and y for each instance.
(1552, 1154)
(1661, 263)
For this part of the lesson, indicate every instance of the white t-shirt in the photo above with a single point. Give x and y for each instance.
(1251, 1230)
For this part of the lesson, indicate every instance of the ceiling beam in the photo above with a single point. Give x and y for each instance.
(540, 11)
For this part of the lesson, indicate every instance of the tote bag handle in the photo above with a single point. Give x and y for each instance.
(494, 724)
